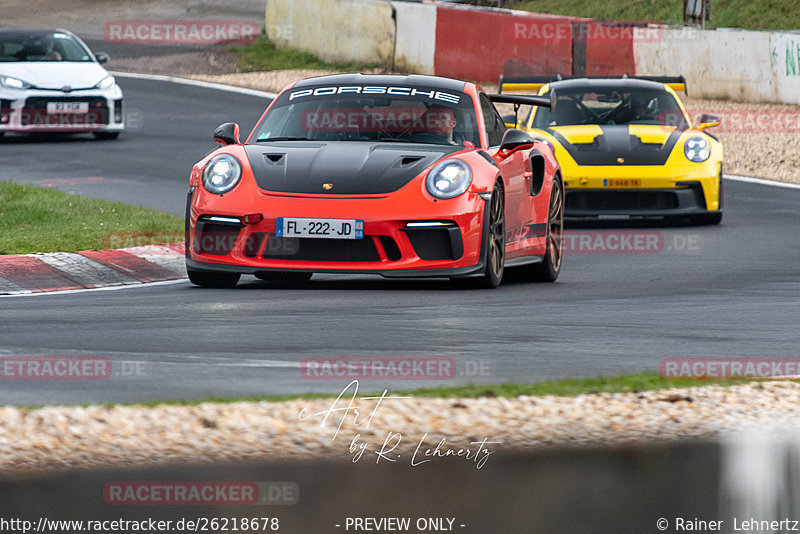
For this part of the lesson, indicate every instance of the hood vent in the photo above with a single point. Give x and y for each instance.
(274, 159)
(409, 160)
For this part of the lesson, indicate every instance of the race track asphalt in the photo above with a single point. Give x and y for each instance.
(169, 128)
(731, 290)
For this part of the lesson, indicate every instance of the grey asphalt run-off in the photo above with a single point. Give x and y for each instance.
(713, 291)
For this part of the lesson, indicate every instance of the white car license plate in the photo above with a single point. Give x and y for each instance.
(320, 228)
(67, 107)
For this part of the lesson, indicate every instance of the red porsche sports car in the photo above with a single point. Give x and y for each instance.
(402, 176)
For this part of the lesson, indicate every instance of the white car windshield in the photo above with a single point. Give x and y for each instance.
(41, 47)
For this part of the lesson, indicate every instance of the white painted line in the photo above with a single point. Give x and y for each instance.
(760, 181)
(110, 288)
(195, 83)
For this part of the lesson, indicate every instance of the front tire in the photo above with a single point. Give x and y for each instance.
(495, 248)
(212, 279)
(549, 269)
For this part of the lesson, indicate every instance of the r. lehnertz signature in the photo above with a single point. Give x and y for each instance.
(423, 453)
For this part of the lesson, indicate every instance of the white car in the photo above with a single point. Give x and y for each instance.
(50, 81)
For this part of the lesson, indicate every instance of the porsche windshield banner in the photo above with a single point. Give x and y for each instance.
(430, 94)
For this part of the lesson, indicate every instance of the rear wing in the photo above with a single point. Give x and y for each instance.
(525, 100)
(548, 102)
(535, 83)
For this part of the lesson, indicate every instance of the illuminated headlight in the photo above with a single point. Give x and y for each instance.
(106, 83)
(222, 174)
(697, 149)
(13, 83)
(449, 179)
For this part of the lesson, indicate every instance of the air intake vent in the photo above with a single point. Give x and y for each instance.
(274, 158)
(409, 160)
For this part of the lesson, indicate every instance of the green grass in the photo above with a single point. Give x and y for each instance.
(748, 14)
(36, 219)
(263, 55)
(567, 388)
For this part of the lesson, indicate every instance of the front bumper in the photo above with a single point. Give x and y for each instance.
(659, 196)
(687, 200)
(26, 111)
(389, 247)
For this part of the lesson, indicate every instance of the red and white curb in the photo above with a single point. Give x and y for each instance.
(90, 269)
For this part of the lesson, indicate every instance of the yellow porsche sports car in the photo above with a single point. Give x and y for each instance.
(627, 146)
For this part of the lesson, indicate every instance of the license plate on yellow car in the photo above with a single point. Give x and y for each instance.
(622, 182)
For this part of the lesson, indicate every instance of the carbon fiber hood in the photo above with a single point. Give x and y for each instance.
(347, 167)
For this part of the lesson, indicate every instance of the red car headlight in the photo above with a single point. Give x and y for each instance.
(221, 174)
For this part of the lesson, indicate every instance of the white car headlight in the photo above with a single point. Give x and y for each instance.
(106, 83)
(449, 179)
(10, 82)
(697, 149)
(221, 174)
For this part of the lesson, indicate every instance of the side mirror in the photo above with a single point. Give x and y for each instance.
(102, 58)
(227, 134)
(708, 120)
(514, 139)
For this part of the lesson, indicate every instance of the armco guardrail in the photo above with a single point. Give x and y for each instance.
(478, 43)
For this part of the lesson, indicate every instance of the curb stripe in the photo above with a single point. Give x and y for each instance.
(174, 263)
(86, 272)
(163, 255)
(130, 265)
(9, 288)
(33, 274)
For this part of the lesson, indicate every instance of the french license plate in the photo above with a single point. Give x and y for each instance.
(67, 107)
(320, 228)
(622, 182)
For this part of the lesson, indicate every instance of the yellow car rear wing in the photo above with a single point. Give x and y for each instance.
(535, 83)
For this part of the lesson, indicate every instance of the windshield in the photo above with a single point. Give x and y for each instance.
(40, 46)
(371, 113)
(613, 105)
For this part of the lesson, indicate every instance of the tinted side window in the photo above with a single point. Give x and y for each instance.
(495, 127)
